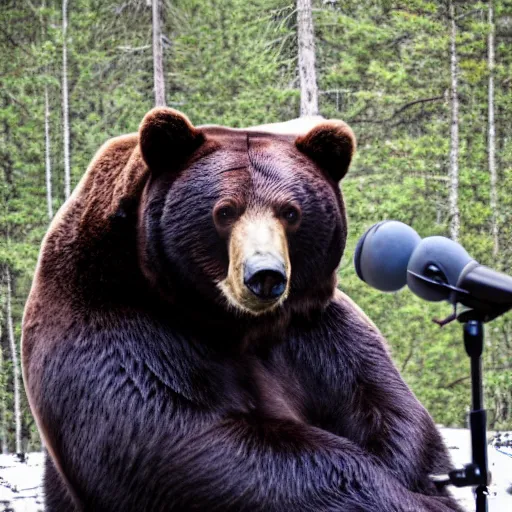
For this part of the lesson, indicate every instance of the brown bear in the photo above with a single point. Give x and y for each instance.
(185, 346)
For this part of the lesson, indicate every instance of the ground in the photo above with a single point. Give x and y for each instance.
(20, 482)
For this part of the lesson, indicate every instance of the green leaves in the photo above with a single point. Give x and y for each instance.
(382, 66)
(381, 60)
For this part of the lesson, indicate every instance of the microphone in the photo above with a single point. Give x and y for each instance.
(391, 254)
(383, 253)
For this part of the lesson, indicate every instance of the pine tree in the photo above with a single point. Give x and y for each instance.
(14, 359)
(384, 67)
(491, 142)
(65, 100)
(454, 140)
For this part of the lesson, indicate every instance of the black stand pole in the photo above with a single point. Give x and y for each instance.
(473, 342)
(475, 474)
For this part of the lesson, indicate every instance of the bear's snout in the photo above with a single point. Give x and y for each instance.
(265, 276)
(259, 271)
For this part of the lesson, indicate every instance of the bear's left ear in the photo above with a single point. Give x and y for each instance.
(167, 138)
(331, 144)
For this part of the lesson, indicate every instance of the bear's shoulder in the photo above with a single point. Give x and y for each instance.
(113, 154)
(351, 322)
(343, 303)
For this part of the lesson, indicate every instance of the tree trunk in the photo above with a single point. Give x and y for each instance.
(47, 153)
(158, 65)
(491, 141)
(307, 72)
(14, 358)
(3, 423)
(454, 150)
(65, 102)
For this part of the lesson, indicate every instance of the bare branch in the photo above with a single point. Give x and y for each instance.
(18, 102)
(457, 381)
(469, 13)
(467, 377)
(130, 49)
(379, 174)
(399, 111)
(11, 40)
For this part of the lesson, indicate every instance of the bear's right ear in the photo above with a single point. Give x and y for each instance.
(167, 138)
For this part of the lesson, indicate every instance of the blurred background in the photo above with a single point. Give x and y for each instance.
(426, 86)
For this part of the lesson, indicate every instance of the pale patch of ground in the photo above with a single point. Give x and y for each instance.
(499, 459)
(21, 483)
(21, 488)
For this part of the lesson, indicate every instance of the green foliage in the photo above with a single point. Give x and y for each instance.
(382, 59)
(382, 66)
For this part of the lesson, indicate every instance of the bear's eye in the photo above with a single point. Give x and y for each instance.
(224, 215)
(291, 215)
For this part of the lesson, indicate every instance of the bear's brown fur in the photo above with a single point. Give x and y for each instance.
(164, 374)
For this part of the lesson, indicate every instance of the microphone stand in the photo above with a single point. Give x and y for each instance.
(478, 470)
(475, 474)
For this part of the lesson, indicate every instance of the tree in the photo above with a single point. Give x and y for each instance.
(384, 67)
(158, 64)
(48, 162)
(65, 100)
(306, 50)
(491, 138)
(3, 422)
(454, 139)
(14, 358)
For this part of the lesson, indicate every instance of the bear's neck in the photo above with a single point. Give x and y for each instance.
(213, 325)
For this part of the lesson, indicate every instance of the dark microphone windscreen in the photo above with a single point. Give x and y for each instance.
(382, 254)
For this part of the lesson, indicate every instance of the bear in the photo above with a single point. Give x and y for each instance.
(186, 345)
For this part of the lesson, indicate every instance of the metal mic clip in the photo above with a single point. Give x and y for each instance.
(438, 282)
(449, 319)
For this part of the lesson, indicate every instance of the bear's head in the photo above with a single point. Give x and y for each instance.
(250, 219)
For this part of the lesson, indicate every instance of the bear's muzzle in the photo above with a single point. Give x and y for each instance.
(259, 271)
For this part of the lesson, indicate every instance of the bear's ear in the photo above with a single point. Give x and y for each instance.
(331, 144)
(167, 138)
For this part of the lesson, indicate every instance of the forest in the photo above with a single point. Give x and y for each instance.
(425, 85)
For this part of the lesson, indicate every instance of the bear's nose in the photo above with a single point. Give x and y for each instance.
(265, 276)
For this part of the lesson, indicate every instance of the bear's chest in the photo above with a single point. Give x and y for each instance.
(277, 394)
(264, 389)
